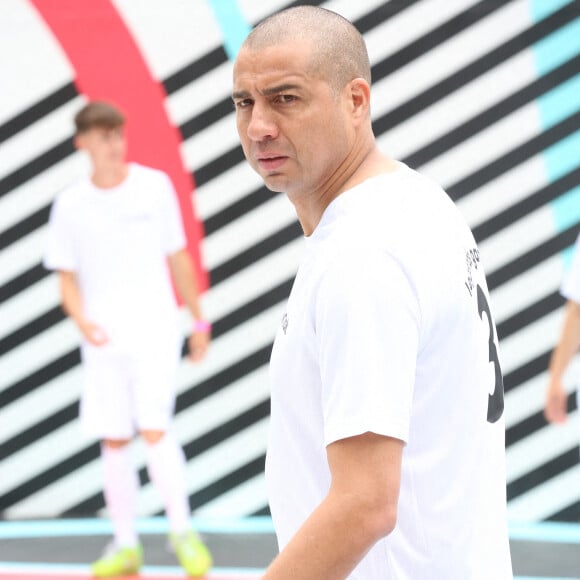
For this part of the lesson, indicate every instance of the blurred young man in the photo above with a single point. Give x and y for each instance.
(115, 239)
(386, 449)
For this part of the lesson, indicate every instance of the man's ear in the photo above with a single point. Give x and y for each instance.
(360, 96)
(78, 141)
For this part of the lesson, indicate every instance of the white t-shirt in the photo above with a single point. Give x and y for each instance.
(386, 330)
(117, 241)
(571, 285)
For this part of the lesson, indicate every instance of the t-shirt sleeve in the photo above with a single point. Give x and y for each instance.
(571, 285)
(367, 326)
(60, 247)
(173, 235)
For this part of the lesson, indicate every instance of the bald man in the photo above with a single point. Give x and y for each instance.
(386, 450)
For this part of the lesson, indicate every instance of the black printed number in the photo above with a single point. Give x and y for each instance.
(495, 401)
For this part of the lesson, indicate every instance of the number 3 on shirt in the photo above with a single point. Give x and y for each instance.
(495, 401)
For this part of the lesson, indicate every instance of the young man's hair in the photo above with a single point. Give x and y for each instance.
(339, 50)
(98, 114)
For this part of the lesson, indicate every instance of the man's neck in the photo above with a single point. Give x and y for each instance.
(109, 177)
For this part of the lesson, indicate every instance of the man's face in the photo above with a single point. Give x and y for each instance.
(106, 147)
(295, 133)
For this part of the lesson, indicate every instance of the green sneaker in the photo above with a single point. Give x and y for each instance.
(191, 553)
(118, 562)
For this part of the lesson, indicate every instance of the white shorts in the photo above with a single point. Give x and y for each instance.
(128, 391)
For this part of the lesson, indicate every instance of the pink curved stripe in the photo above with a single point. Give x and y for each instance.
(109, 65)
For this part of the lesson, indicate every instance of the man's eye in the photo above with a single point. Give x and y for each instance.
(242, 104)
(285, 98)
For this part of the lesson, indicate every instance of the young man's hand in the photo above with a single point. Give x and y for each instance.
(93, 333)
(198, 345)
(555, 408)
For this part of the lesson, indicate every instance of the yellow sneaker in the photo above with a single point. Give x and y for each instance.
(118, 562)
(191, 553)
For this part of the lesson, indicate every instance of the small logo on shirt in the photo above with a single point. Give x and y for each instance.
(471, 261)
(285, 322)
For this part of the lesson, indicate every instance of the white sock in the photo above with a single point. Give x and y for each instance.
(121, 486)
(166, 467)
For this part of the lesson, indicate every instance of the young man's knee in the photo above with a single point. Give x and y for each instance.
(115, 443)
(151, 436)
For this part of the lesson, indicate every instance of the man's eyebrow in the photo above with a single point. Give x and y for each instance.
(268, 91)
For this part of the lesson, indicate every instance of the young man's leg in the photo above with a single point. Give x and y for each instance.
(166, 466)
(120, 486)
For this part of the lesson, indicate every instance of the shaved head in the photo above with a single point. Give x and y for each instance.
(339, 53)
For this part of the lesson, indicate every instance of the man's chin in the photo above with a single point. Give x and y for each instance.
(274, 183)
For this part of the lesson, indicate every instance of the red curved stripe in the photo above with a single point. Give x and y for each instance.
(109, 65)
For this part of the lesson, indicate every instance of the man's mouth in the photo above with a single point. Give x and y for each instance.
(271, 162)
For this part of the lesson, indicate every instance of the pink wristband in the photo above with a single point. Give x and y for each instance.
(201, 326)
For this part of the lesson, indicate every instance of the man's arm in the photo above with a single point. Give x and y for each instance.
(72, 304)
(360, 508)
(568, 345)
(181, 266)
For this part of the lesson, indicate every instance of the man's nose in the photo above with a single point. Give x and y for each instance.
(262, 125)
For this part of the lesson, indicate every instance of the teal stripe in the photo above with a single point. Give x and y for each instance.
(563, 156)
(158, 525)
(560, 102)
(175, 571)
(557, 105)
(558, 532)
(543, 8)
(558, 47)
(232, 24)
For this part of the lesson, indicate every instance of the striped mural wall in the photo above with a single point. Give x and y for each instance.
(483, 96)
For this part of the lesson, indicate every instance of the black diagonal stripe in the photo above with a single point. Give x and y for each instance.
(382, 14)
(224, 378)
(49, 476)
(570, 513)
(237, 209)
(266, 246)
(217, 166)
(533, 257)
(253, 308)
(263, 511)
(470, 72)
(31, 329)
(35, 166)
(206, 118)
(40, 377)
(532, 423)
(192, 71)
(493, 114)
(435, 37)
(24, 280)
(530, 314)
(526, 371)
(530, 203)
(543, 473)
(37, 111)
(228, 482)
(24, 227)
(514, 157)
(41, 429)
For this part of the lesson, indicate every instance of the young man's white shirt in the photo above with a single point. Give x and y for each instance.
(387, 330)
(116, 241)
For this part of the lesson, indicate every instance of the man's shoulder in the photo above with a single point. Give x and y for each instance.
(73, 193)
